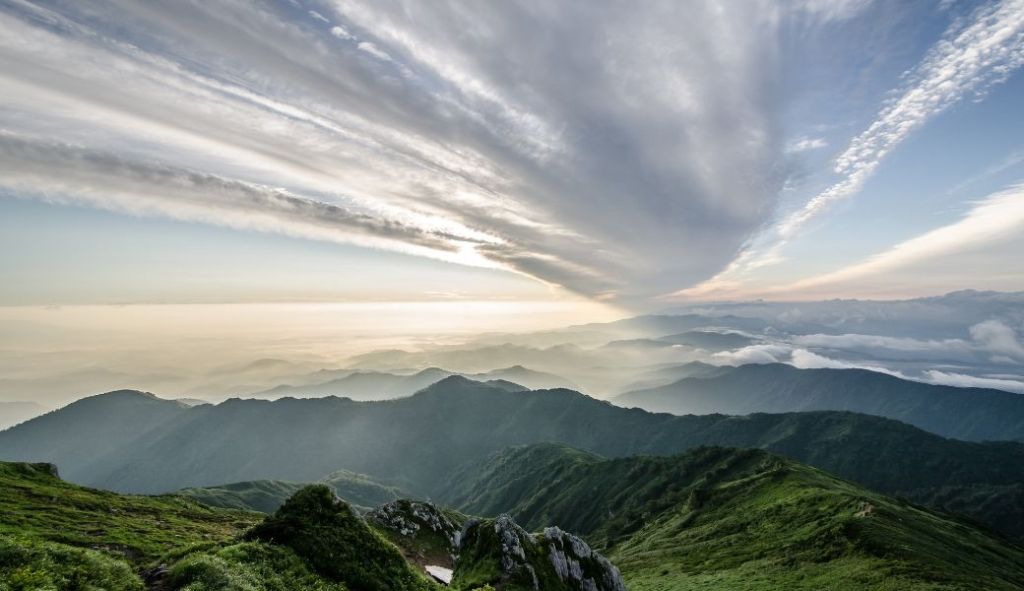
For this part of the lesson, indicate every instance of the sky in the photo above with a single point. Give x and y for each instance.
(562, 161)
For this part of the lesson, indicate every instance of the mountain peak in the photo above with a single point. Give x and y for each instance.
(453, 380)
(121, 395)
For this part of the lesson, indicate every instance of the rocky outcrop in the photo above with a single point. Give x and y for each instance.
(576, 563)
(425, 533)
(499, 552)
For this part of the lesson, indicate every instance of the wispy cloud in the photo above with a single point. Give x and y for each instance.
(994, 218)
(600, 156)
(976, 53)
(971, 56)
(805, 144)
(64, 173)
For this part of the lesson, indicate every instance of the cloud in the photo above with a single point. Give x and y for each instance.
(874, 342)
(373, 50)
(832, 10)
(974, 54)
(966, 381)
(990, 338)
(341, 32)
(763, 353)
(805, 144)
(995, 337)
(969, 58)
(797, 357)
(600, 155)
(804, 359)
(994, 218)
(319, 16)
(64, 173)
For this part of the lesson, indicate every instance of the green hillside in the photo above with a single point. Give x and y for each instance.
(63, 537)
(35, 502)
(717, 518)
(266, 496)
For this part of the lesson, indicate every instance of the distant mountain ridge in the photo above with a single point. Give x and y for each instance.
(93, 427)
(378, 385)
(973, 414)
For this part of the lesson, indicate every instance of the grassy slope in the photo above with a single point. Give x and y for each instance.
(727, 519)
(266, 496)
(35, 503)
(60, 536)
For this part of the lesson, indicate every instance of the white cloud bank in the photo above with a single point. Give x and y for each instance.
(992, 340)
(965, 381)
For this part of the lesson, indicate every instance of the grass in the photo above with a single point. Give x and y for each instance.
(247, 567)
(794, 527)
(57, 536)
(265, 496)
(34, 503)
(717, 518)
(29, 564)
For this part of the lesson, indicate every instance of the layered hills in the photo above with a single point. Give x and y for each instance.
(418, 443)
(379, 385)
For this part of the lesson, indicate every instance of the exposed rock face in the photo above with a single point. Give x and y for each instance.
(574, 561)
(550, 561)
(422, 530)
(408, 517)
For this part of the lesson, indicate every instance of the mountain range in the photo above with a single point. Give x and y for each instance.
(418, 443)
(378, 385)
(974, 414)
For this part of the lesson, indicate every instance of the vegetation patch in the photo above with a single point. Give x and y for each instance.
(337, 544)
